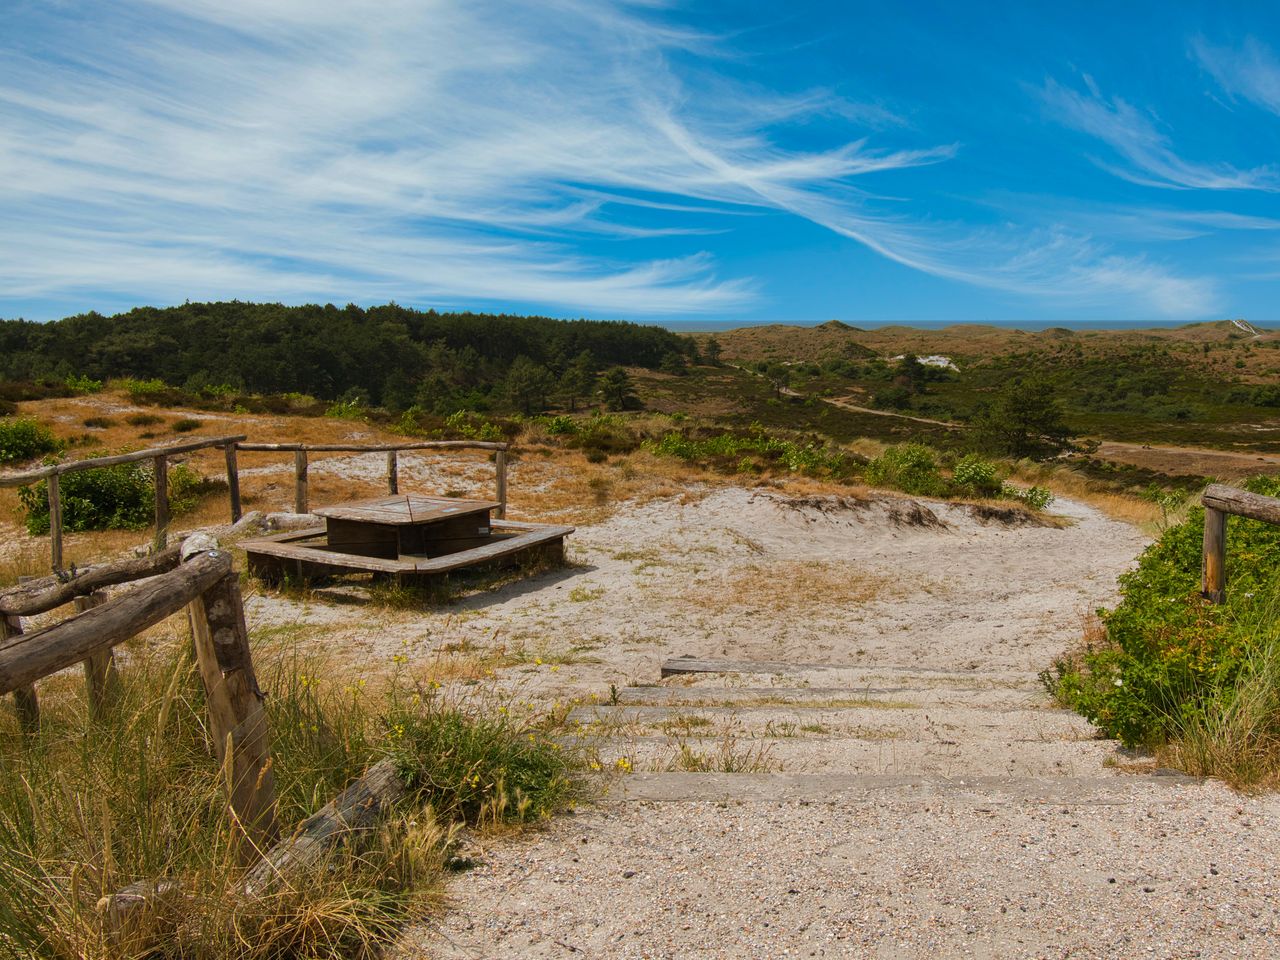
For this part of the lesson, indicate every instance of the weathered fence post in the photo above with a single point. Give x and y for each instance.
(300, 481)
(393, 472)
(55, 522)
(24, 698)
(162, 502)
(233, 481)
(100, 677)
(1215, 555)
(237, 722)
(500, 463)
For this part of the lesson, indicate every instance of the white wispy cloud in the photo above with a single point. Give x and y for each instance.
(445, 151)
(1250, 71)
(1137, 138)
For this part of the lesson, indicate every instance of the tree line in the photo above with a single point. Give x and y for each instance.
(390, 356)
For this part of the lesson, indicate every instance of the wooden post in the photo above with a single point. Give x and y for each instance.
(393, 472)
(233, 481)
(236, 718)
(300, 481)
(1215, 555)
(100, 677)
(55, 522)
(500, 462)
(162, 502)
(24, 698)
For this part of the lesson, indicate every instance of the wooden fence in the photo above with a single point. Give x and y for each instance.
(231, 445)
(1221, 501)
(207, 586)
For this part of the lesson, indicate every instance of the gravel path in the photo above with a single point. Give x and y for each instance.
(915, 795)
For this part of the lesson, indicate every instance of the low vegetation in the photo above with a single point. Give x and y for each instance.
(25, 439)
(1168, 670)
(88, 807)
(111, 498)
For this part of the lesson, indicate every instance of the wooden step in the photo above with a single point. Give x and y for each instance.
(1113, 790)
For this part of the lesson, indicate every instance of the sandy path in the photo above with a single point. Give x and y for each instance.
(922, 799)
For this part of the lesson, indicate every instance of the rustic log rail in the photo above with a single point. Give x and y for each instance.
(158, 455)
(1221, 501)
(301, 482)
(208, 587)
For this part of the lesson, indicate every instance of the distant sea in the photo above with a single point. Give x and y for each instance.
(711, 326)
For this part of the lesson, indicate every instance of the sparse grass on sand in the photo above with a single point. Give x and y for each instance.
(794, 586)
(88, 807)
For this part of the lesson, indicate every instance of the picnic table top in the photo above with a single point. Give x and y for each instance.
(405, 509)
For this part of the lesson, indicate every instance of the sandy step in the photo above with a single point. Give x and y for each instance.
(915, 696)
(849, 711)
(1112, 790)
(699, 672)
(972, 757)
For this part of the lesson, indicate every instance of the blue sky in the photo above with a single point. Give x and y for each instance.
(712, 162)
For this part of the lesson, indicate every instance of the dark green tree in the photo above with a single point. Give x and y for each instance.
(579, 379)
(528, 384)
(672, 363)
(711, 351)
(1025, 420)
(779, 376)
(616, 389)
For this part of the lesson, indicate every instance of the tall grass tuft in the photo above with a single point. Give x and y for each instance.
(1235, 736)
(89, 807)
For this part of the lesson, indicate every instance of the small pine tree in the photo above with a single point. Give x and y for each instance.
(579, 379)
(616, 389)
(528, 384)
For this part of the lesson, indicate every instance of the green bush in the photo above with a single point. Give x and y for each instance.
(560, 425)
(143, 419)
(1037, 498)
(730, 451)
(81, 384)
(1170, 658)
(977, 476)
(466, 425)
(109, 498)
(25, 439)
(910, 467)
(186, 425)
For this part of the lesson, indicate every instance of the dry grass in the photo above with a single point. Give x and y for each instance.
(793, 586)
(1069, 483)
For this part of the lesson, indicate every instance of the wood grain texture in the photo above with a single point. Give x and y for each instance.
(358, 809)
(74, 466)
(237, 721)
(233, 481)
(102, 682)
(46, 593)
(25, 701)
(1242, 503)
(43, 652)
(162, 502)
(1214, 573)
(373, 447)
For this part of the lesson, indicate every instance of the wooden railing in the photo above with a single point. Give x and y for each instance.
(209, 588)
(1221, 501)
(231, 445)
(392, 450)
(160, 456)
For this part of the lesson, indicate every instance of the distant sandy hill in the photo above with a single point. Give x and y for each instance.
(838, 339)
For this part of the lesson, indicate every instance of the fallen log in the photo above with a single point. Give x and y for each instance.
(357, 809)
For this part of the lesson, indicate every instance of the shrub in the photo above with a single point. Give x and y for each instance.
(352, 409)
(910, 467)
(1037, 498)
(147, 391)
(99, 423)
(25, 439)
(81, 384)
(143, 419)
(977, 476)
(186, 425)
(1171, 659)
(561, 425)
(728, 451)
(109, 498)
(466, 425)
